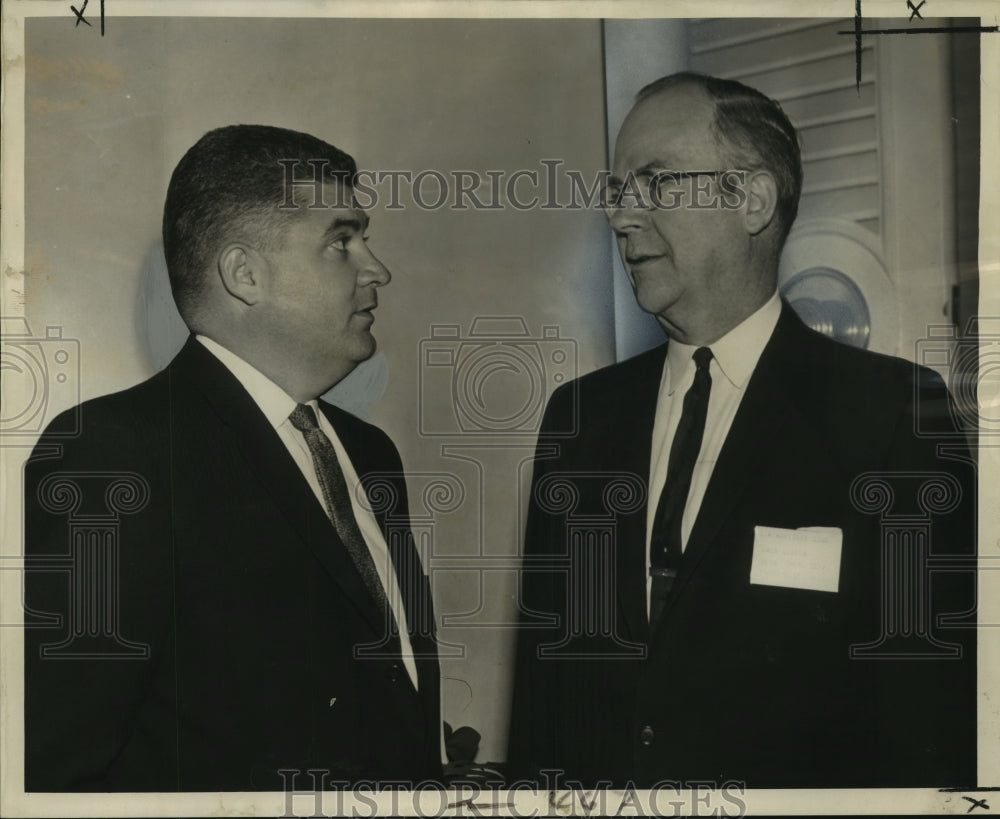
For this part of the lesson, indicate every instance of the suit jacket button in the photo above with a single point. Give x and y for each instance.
(394, 672)
(646, 736)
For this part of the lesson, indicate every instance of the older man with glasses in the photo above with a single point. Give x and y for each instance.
(735, 620)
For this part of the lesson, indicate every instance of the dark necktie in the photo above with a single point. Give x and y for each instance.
(338, 500)
(665, 550)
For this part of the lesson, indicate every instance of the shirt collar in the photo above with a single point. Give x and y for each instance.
(736, 354)
(274, 402)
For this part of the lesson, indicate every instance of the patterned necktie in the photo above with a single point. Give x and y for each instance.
(338, 500)
(665, 550)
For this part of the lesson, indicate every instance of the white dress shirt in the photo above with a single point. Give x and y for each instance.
(277, 405)
(734, 358)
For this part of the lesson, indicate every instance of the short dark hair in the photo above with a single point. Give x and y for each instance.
(230, 184)
(754, 128)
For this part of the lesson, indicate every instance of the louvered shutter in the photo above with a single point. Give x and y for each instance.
(810, 70)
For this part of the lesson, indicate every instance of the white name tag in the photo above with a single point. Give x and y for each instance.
(807, 558)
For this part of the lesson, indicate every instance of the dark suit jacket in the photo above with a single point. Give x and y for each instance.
(747, 682)
(231, 576)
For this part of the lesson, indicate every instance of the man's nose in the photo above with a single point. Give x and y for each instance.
(373, 271)
(626, 218)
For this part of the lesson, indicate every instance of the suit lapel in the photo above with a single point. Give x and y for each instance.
(274, 467)
(769, 399)
(369, 467)
(761, 415)
(635, 441)
(372, 463)
(374, 471)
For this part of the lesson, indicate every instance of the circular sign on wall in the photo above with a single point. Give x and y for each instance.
(831, 273)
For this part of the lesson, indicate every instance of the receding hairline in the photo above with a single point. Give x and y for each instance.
(699, 83)
(648, 99)
(670, 83)
(648, 95)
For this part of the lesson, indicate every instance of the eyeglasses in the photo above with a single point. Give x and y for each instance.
(667, 190)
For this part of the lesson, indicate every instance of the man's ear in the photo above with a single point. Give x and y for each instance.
(762, 201)
(240, 269)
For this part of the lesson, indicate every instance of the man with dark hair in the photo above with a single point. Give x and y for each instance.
(205, 206)
(708, 593)
(252, 604)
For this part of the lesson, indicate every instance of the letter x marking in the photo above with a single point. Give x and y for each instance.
(915, 9)
(80, 18)
(976, 803)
